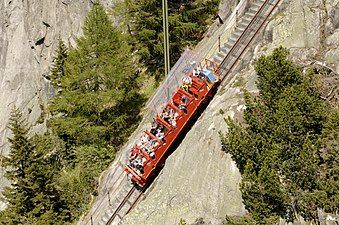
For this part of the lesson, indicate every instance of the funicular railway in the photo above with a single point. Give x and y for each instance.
(186, 100)
(150, 151)
(198, 87)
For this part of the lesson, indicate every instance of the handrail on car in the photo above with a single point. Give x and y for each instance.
(181, 91)
(163, 122)
(174, 107)
(153, 137)
(145, 154)
(128, 167)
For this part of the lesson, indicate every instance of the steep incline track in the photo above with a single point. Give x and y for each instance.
(118, 205)
(228, 57)
(127, 203)
(245, 32)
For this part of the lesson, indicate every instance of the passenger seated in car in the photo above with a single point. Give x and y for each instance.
(146, 148)
(154, 128)
(160, 128)
(173, 120)
(143, 139)
(196, 71)
(185, 87)
(153, 131)
(183, 103)
(201, 75)
(160, 135)
(152, 149)
(183, 107)
(173, 115)
(136, 164)
(148, 145)
(184, 99)
(133, 154)
(187, 83)
(155, 144)
(139, 163)
(151, 154)
(150, 141)
(165, 115)
(187, 80)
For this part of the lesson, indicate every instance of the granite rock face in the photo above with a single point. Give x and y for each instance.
(198, 180)
(309, 29)
(28, 33)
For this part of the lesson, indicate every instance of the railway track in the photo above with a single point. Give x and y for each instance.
(127, 203)
(244, 34)
(227, 58)
(119, 206)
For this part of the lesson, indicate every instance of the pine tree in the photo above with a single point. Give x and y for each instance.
(19, 195)
(188, 21)
(100, 100)
(20, 145)
(58, 65)
(275, 73)
(328, 195)
(287, 147)
(32, 192)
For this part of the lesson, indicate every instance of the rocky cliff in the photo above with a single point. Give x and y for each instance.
(200, 181)
(28, 33)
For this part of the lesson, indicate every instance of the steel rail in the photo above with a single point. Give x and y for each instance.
(109, 190)
(134, 203)
(251, 39)
(123, 202)
(243, 33)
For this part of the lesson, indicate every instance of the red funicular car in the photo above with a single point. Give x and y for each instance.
(150, 152)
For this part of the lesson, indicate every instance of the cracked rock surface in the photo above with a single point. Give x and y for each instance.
(198, 179)
(28, 33)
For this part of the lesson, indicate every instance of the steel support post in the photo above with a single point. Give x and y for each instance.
(166, 36)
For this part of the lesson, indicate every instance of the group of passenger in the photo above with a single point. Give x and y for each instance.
(149, 144)
(197, 72)
(137, 160)
(170, 116)
(187, 80)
